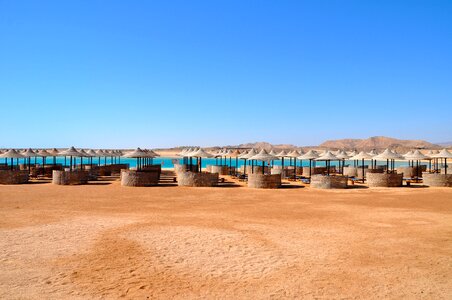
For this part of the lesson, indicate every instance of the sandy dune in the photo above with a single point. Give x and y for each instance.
(108, 241)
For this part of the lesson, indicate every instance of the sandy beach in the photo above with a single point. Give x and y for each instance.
(106, 241)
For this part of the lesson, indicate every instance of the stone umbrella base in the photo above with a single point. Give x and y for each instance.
(197, 179)
(384, 179)
(264, 181)
(70, 177)
(328, 182)
(13, 177)
(444, 180)
(140, 178)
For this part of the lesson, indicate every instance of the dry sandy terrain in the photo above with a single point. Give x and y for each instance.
(108, 241)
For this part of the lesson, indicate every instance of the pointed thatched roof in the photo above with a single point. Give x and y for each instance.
(248, 155)
(29, 153)
(70, 152)
(83, 153)
(387, 154)
(373, 153)
(54, 152)
(200, 153)
(44, 153)
(283, 153)
(293, 153)
(264, 156)
(443, 154)
(327, 156)
(311, 154)
(12, 153)
(361, 155)
(342, 155)
(416, 155)
(137, 153)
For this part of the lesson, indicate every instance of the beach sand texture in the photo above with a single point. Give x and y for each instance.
(107, 241)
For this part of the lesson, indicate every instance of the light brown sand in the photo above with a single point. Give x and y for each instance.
(108, 241)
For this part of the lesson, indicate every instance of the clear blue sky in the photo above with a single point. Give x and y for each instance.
(166, 73)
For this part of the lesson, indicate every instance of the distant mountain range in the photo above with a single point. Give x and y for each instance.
(376, 142)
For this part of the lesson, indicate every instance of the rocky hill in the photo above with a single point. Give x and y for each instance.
(379, 143)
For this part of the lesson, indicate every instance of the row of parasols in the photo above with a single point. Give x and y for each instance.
(390, 156)
(143, 157)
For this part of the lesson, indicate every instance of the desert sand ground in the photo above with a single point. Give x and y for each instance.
(106, 241)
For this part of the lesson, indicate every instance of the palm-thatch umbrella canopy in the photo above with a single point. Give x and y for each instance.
(389, 156)
(11, 154)
(29, 153)
(91, 154)
(430, 157)
(373, 153)
(247, 156)
(351, 153)
(83, 153)
(199, 154)
(282, 155)
(443, 154)
(44, 154)
(327, 157)
(272, 152)
(188, 159)
(416, 156)
(235, 154)
(101, 153)
(342, 156)
(153, 153)
(362, 156)
(264, 156)
(139, 155)
(310, 155)
(410, 162)
(71, 152)
(294, 154)
(409, 153)
(182, 152)
(373, 162)
(54, 153)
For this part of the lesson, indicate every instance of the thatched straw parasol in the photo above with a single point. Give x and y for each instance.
(310, 155)
(44, 154)
(327, 157)
(445, 155)
(91, 154)
(246, 156)
(362, 156)
(71, 152)
(139, 155)
(11, 154)
(199, 154)
(416, 156)
(54, 153)
(83, 153)
(294, 154)
(389, 156)
(101, 153)
(282, 155)
(264, 156)
(342, 156)
(29, 153)
(235, 154)
(430, 157)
